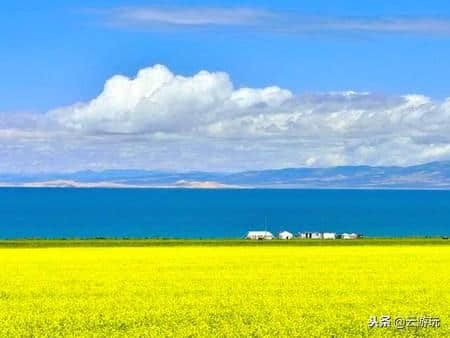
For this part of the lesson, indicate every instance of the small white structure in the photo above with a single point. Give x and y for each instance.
(259, 235)
(329, 235)
(285, 235)
(316, 235)
(349, 236)
(311, 235)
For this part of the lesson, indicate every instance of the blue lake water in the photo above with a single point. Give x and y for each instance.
(188, 213)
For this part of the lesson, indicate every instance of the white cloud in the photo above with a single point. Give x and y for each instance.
(187, 16)
(384, 25)
(159, 120)
(157, 100)
(256, 19)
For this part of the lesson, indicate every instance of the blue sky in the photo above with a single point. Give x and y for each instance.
(57, 53)
(224, 86)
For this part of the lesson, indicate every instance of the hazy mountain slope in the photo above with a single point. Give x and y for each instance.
(430, 175)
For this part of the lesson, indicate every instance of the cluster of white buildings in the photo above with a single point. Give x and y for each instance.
(267, 235)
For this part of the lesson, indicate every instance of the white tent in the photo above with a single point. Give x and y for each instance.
(311, 235)
(329, 235)
(316, 235)
(349, 236)
(259, 235)
(285, 235)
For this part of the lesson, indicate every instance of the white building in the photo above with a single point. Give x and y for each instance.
(329, 235)
(311, 235)
(259, 235)
(285, 235)
(349, 236)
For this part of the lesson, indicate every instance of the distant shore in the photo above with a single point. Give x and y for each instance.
(428, 176)
(207, 185)
(134, 242)
(115, 185)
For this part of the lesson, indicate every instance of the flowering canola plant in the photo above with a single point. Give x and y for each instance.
(222, 291)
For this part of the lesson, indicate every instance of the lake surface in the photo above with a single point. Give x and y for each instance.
(189, 213)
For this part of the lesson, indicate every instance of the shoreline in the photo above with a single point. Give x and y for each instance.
(90, 186)
(170, 242)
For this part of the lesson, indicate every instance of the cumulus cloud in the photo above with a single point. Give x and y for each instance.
(157, 100)
(160, 120)
(256, 19)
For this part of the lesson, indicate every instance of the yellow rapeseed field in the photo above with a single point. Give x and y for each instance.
(222, 291)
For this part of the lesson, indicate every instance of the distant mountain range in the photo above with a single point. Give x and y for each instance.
(434, 175)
